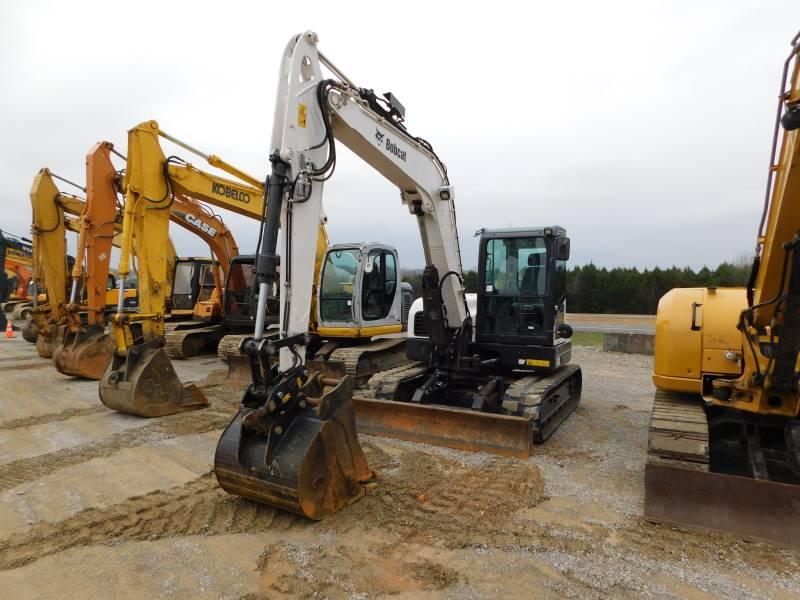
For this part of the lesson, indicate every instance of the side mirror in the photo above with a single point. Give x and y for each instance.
(562, 249)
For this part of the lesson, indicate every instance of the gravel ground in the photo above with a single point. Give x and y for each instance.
(566, 523)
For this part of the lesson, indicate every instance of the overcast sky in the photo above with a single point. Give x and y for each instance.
(642, 127)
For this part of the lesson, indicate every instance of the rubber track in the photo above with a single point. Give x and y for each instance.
(384, 383)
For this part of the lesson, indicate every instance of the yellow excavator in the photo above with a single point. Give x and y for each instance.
(50, 222)
(140, 378)
(53, 214)
(195, 284)
(724, 435)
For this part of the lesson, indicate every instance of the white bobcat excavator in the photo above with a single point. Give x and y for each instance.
(293, 443)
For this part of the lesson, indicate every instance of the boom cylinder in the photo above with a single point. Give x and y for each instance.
(267, 260)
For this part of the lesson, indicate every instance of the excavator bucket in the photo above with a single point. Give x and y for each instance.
(84, 353)
(143, 382)
(46, 344)
(314, 468)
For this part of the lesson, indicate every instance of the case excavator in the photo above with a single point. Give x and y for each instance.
(724, 434)
(293, 443)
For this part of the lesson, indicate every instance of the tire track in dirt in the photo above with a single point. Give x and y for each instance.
(53, 417)
(29, 469)
(460, 503)
(200, 507)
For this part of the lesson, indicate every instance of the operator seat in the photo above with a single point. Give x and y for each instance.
(530, 278)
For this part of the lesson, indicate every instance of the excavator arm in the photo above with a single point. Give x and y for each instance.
(311, 109)
(770, 325)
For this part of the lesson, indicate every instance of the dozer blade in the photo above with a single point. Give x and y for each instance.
(444, 426)
(314, 468)
(46, 344)
(757, 510)
(85, 353)
(143, 382)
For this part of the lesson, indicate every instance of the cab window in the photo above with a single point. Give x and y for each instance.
(338, 279)
(378, 285)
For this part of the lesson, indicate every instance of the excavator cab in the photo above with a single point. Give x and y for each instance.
(522, 298)
(187, 285)
(361, 312)
(360, 293)
(240, 298)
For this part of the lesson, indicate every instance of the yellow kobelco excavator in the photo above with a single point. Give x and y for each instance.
(724, 437)
(140, 379)
(86, 349)
(497, 386)
(189, 190)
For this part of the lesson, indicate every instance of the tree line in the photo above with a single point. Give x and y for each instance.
(592, 289)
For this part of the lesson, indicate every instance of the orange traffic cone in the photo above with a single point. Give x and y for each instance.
(9, 329)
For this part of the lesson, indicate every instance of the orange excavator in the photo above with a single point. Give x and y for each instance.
(16, 255)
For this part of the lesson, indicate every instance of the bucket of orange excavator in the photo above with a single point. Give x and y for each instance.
(85, 352)
(314, 467)
(143, 382)
(46, 343)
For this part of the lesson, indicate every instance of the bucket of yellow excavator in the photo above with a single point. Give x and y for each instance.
(313, 468)
(143, 382)
(85, 352)
(47, 342)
